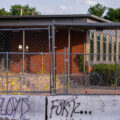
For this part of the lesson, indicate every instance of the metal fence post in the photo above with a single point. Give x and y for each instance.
(84, 42)
(7, 72)
(68, 58)
(115, 74)
(116, 56)
(3, 64)
(49, 38)
(65, 71)
(20, 80)
(53, 57)
(23, 52)
(68, 69)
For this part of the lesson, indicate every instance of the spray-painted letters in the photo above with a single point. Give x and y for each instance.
(9, 107)
(22, 107)
(66, 109)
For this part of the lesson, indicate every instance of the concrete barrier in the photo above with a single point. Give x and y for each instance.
(83, 108)
(13, 107)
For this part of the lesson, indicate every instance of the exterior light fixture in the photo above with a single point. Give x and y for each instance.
(27, 47)
(20, 47)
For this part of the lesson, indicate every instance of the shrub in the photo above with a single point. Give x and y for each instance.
(81, 63)
(107, 72)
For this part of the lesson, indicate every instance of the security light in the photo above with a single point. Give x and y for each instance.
(27, 47)
(20, 47)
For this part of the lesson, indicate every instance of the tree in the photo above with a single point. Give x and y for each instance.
(3, 12)
(97, 10)
(15, 10)
(113, 14)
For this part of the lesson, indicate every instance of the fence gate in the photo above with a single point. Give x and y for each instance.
(25, 60)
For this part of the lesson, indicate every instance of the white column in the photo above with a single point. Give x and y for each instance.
(107, 48)
(117, 46)
(112, 49)
(95, 47)
(101, 47)
(87, 46)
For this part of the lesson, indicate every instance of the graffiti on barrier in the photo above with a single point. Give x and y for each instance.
(13, 105)
(67, 109)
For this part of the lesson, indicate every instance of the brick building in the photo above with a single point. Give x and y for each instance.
(73, 36)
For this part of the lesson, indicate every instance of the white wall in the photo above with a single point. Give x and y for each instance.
(83, 108)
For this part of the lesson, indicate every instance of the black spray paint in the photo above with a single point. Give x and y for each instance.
(66, 108)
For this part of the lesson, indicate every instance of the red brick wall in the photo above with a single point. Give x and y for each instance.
(35, 43)
(61, 43)
(77, 39)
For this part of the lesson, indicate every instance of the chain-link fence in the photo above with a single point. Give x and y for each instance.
(25, 61)
(59, 61)
(91, 66)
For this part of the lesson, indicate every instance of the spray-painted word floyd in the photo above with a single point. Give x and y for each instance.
(22, 107)
(11, 106)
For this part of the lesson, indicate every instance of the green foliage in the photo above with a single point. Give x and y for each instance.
(15, 10)
(113, 14)
(107, 72)
(3, 12)
(81, 63)
(97, 10)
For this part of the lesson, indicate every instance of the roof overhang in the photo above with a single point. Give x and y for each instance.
(93, 17)
(86, 26)
(93, 26)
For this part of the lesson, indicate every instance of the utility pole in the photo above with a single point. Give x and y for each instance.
(21, 10)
